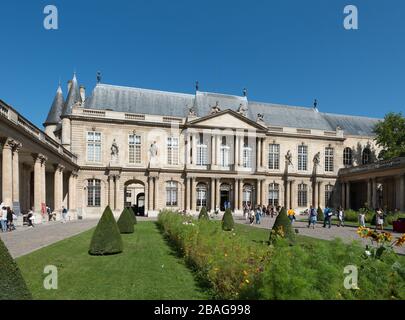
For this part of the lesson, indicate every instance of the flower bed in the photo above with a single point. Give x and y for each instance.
(235, 268)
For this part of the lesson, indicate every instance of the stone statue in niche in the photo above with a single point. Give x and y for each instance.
(317, 159)
(114, 152)
(288, 158)
(260, 118)
(153, 151)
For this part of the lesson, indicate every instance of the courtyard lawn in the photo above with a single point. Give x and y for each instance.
(147, 269)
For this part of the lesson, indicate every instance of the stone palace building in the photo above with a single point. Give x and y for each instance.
(151, 149)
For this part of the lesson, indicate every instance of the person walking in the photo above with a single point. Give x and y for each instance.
(3, 218)
(64, 214)
(251, 217)
(31, 218)
(327, 214)
(258, 214)
(379, 219)
(341, 217)
(312, 217)
(291, 215)
(10, 219)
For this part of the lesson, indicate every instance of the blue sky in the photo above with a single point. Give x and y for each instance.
(285, 51)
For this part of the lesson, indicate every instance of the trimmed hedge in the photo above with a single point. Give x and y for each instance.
(106, 238)
(126, 222)
(282, 227)
(227, 221)
(319, 214)
(203, 214)
(12, 284)
(133, 215)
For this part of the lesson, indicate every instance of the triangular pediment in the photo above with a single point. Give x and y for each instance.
(226, 119)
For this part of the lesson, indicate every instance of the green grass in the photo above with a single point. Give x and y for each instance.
(147, 269)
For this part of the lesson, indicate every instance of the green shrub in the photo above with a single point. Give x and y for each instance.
(282, 227)
(351, 215)
(106, 238)
(126, 222)
(133, 215)
(319, 215)
(203, 214)
(227, 221)
(12, 284)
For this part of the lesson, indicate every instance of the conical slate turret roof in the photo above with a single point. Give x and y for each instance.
(72, 98)
(56, 109)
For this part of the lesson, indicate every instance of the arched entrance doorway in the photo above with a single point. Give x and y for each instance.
(135, 197)
(225, 196)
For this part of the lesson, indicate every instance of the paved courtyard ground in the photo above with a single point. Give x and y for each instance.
(347, 234)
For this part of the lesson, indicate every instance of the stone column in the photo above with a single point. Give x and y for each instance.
(293, 194)
(263, 193)
(72, 203)
(240, 150)
(286, 194)
(212, 199)
(258, 154)
(258, 191)
(262, 155)
(218, 192)
(156, 194)
(194, 150)
(217, 149)
(58, 188)
(37, 183)
(240, 194)
(146, 196)
(16, 172)
(188, 194)
(321, 195)
(43, 179)
(150, 193)
(188, 157)
(374, 193)
(343, 195)
(116, 192)
(111, 191)
(236, 195)
(315, 195)
(402, 193)
(369, 193)
(236, 151)
(193, 195)
(7, 173)
(348, 205)
(213, 158)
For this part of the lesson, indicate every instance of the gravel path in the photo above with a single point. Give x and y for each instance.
(347, 234)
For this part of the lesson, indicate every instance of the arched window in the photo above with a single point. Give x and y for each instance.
(201, 195)
(274, 194)
(93, 193)
(302, 195)
(347, 157)
(366, 156)
(329, 159)
(328, 194)
(172, 191)
(247, 195)
(224, 153)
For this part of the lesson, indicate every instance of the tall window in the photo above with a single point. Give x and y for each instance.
(173, 150)
(201, 195)
(93, 193)
(202, 151)
(328, 194)
(274, 194)
(329, 159)
(93, 146)
(246, 154)
(366, 156)
(247, 195)
(274, 156)
(135, 149)
(302, 158)
(224, 153)
(302, 195)
(171, 193)
(347, 157)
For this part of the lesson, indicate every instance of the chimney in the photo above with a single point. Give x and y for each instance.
(83, 93)
(69, 86)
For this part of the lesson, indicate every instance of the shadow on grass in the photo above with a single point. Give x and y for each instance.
(203, 284)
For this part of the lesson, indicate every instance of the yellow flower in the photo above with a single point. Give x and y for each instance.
(400, 241)
(245, 273)
(247, 281)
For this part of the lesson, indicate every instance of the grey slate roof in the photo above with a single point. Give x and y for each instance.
(144, 101)
(72, 98)
(56, 109)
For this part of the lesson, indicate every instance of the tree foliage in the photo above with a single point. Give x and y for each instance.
(227, 221)
(126, 221)
(390, 136)
(203, 214)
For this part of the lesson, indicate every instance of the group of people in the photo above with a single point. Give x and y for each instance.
(7, 218)
(255, 213)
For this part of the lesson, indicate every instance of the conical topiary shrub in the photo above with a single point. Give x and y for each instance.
(133, 215)
(106, 238)
(126, 222)
(203, 214)
(227, 221)
(282, 227)
(319, 216)
(12, 284)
